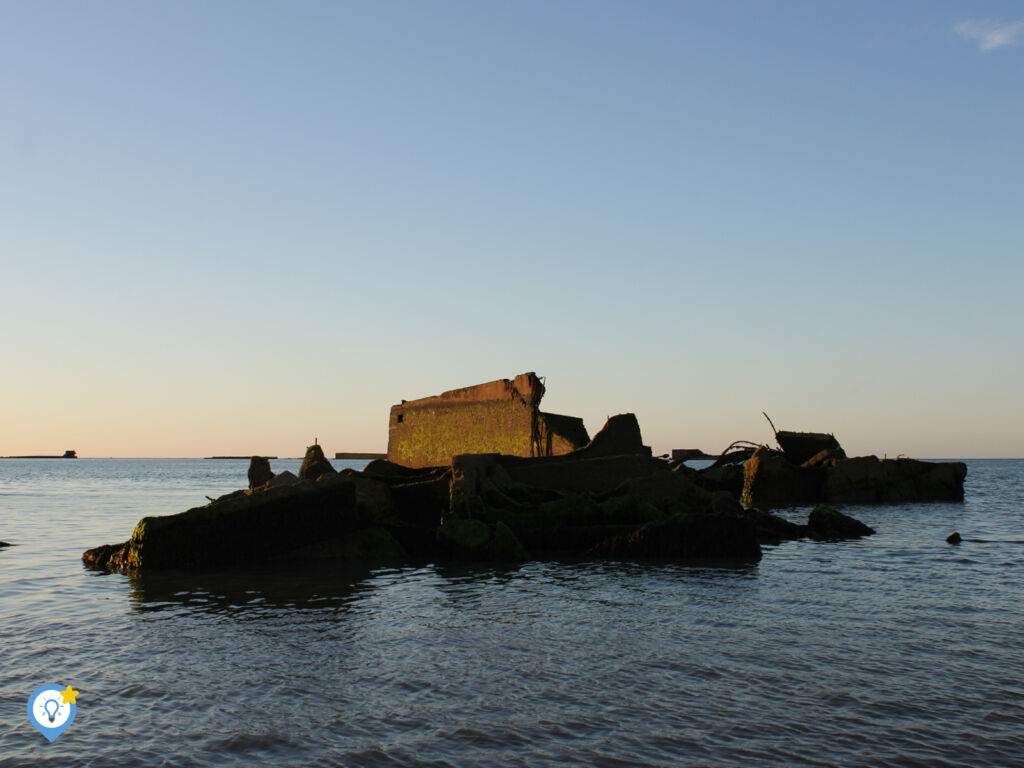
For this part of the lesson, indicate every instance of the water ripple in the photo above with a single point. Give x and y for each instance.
(895, 650)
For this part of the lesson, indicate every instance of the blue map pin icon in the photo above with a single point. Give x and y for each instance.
(48, 712)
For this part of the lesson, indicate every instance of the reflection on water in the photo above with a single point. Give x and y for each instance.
(893, 650)
(241, 592)
(332, 586)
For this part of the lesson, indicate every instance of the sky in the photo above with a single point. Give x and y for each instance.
(230, 228)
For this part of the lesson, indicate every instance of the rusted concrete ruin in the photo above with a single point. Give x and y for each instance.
(500, 416)
(481, 473)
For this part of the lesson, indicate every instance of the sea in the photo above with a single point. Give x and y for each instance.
(894, 650)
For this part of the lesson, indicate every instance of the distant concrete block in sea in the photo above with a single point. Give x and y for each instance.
(244, 458)
(66, 455)
(690, 454)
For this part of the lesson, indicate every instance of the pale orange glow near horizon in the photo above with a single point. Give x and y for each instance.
(155, 423)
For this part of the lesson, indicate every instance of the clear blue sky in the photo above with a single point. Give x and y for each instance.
(230, 227)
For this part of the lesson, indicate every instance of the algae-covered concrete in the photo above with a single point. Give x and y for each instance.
(593, 502)
(471, 475)
(499, 416)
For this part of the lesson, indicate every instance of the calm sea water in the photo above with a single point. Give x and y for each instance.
(896, 650)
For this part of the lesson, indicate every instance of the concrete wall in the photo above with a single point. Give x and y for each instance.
(432, 436)
(560, 435)
(496, 417)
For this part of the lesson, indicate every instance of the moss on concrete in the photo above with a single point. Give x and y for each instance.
(433, 436)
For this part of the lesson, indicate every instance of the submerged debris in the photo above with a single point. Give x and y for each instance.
(829, 524)
(772, 478)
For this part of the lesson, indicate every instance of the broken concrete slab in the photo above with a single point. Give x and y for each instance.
(801, 446)
(235, 529)
(314, 464)
(620, 435)
(870, 480)
(259, 471)
(772, 480)
(689, 537)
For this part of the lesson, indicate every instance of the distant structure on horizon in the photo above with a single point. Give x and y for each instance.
(501, 416)
(690, 454)
(66, 455)
(239, 458)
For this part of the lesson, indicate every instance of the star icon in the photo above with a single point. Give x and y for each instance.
(69, 694)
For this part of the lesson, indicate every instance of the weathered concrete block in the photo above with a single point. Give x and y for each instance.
(728, 477)
(500, 416)
(560, 434)
(423, 502)
(574, 472)
(868, 480)
(802, 446)
(237, 528)
(829, 524)
(620, 435)
(669, 492)
(282, 479)
(259, 471)
(314, 464)
(373, 497)
(476, 540)
(371, 545)
(771, 480)
(688, 537)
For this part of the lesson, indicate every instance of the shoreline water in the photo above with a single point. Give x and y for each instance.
(904, 641)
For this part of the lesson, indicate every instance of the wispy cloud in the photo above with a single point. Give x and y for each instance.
(989, 34)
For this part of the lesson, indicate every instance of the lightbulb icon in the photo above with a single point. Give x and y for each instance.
(52, 708)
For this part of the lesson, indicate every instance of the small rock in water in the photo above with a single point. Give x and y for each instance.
(828, 524)
(107, 557)
(953, 538)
